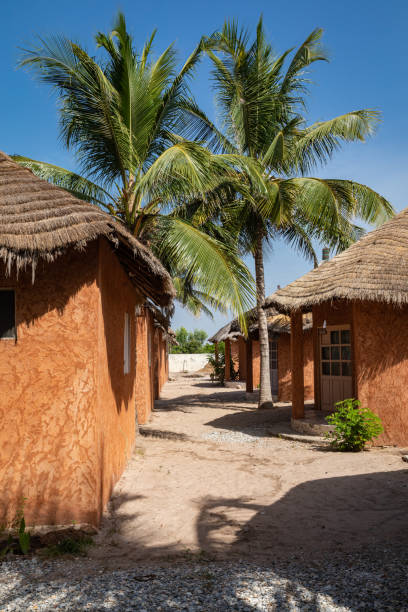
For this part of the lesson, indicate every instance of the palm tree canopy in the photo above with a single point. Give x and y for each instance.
(128, 117)
(261, 98)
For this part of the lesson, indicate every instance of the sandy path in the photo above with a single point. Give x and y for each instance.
(259, 499)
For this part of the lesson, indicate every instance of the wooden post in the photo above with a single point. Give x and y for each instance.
(296, 355)
(217, 357)
(249, 367)
(227, 360)
(242, 358)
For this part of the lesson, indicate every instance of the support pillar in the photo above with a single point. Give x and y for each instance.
(242, 358)
(227, 360)
(296, 355)
(249, 367)
(216, 354)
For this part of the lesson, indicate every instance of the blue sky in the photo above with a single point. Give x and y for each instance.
(368, 47)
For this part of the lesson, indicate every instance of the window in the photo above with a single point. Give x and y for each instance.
(273, 355)
(126, 345)
(7, 314)
(336, 355)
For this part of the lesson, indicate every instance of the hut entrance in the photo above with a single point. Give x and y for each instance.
(336, 381)
(273, 366)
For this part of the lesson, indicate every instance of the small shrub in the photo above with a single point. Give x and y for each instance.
(19, 539)
(218, 372)
(353, 426)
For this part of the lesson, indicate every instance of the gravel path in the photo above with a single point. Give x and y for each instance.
(370, 580)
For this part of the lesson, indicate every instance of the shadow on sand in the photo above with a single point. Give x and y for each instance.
(342, 519)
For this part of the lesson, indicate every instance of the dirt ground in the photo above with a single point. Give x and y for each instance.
(232, 491)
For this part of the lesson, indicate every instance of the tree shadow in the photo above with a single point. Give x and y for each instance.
(326, 542)
(222, 398)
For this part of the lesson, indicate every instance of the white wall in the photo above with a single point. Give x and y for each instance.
(180, 362)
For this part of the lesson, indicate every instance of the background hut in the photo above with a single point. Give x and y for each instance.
(244, 353)
(359, 301)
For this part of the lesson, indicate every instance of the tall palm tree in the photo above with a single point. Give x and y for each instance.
(126, 117)
(262, 105)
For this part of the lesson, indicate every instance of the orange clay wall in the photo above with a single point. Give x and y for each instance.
(49, 445)
(242, 358)
(144, 399)
(381, 357)
(284, 367)
(68, 411)
(235, 354)
(256, 364)
(116, 419)
(163, 360)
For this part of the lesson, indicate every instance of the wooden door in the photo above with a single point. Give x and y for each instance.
(273, 366)
(336, 379)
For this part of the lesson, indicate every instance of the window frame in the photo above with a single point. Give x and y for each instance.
(14, 337)
(126, 344)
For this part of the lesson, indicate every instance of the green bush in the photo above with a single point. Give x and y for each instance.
(353, 426)
(218, 373)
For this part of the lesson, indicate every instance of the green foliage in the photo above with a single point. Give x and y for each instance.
(18, 535)
(218, 367)
(262, 99)
(191, 342)
(353, 426)
(23, 537)
(128, 117)
(69, 546)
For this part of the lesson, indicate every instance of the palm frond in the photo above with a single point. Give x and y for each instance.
(211, 267)
(76, 184)
(317, 143)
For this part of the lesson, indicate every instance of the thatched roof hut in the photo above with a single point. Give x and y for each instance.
(277, 324)
(40, 221)
(373, 269)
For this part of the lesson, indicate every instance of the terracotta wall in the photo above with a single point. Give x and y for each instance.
(68, 410)
(256, 364)
(163, 361)
(235, 354)
(381, 355)
(242, 358)
(143, 385)
(116, 390)
(284, 367)
(49, 445)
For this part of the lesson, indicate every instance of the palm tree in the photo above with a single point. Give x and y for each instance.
(127, 117)
(262, 108)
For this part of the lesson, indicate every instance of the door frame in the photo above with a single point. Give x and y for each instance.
(348, 320)
(275, 396)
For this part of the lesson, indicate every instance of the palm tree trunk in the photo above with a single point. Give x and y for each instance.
(265, 394)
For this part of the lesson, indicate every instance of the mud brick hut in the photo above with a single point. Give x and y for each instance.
(73, 359)
(359, 301)
(245, 356)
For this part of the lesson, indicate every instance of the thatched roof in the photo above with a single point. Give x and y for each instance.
(277, 324)
(40, 221)
(375, 268)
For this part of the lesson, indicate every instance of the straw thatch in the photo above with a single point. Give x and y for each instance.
(277, 324)
(41, 221)
(375, 268)
(160, 319)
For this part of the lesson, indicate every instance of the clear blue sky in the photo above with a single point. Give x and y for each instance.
(368, 45)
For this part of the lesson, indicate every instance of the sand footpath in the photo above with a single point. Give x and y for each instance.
(259, 498)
